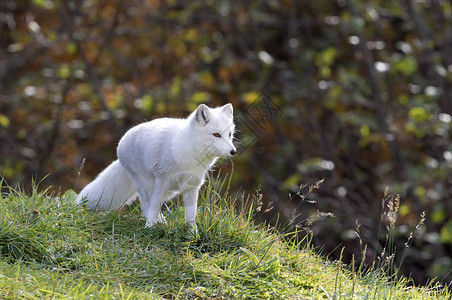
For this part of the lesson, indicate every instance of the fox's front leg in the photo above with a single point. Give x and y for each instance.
(190, 207)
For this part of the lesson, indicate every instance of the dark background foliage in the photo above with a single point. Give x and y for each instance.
(356, 92)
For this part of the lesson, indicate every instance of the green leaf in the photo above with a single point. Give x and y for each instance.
(176, 86)
(146, 103)
(292, 182)
(326, 57)
(63, 71)
(365, 135)
(200, 97)
(39, 3)
(364, 130)
(419, 114)
(407, 65)
(251, 255)
(71, 48)
(446, 233)
(438, 214)
(333, 94)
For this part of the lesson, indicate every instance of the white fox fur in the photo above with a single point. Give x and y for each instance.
(161, 159)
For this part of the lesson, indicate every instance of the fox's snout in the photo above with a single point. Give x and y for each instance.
(232, 150)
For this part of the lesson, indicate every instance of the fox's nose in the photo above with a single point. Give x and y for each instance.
(233, 152)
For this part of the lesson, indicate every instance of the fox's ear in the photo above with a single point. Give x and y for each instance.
(202, 115)
(228, 108)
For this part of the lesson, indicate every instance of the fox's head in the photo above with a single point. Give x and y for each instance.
(215, 130)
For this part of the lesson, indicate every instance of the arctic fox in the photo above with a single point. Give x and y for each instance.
(161, 159)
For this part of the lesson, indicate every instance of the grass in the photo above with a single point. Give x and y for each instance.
(51, 248)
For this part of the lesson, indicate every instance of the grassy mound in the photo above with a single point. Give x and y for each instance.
(51, 248)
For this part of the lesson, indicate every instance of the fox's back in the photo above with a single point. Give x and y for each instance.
(147, 146)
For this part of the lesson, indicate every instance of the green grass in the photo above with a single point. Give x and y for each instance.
(50, 248)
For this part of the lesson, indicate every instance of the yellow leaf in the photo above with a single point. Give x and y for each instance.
(200, 97)
(206, 79)
(250, 97)
(191, 35)
(404, 210)
(146, 103)
(176, 86)
(365, 131)
(4, 121)
(419, 114)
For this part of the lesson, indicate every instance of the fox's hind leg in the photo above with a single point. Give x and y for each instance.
(151, 201)
(146, 188)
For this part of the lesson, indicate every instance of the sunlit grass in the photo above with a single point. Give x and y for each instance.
(52, 248)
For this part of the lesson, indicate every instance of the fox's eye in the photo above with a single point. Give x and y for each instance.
(230, 134)
(216, 134)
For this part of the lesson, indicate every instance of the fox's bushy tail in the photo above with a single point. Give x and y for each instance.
(110, 190)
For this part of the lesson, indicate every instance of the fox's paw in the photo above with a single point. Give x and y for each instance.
(151, 222)
(161, 219)
(193, 230)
